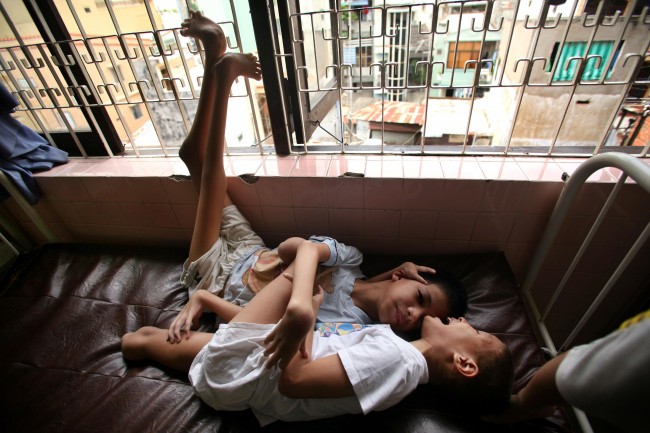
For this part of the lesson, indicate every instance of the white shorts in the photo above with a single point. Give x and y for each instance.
(211, 270)
(225, 373)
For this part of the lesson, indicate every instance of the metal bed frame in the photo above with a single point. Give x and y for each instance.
(631, 168)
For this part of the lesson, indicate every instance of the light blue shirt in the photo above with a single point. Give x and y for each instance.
(336, 306)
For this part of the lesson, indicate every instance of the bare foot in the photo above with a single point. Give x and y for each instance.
(233, 65)
(207, 31)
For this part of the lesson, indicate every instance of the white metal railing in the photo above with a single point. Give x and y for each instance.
(631, 168)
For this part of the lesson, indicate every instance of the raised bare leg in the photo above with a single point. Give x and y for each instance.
(192, 152)
(212, 196)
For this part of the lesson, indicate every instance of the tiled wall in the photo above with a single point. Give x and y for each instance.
(408, 205)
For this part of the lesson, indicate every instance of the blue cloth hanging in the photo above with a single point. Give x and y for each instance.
(23, 151)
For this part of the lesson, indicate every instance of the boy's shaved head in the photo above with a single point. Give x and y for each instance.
(452, 288)
(470, 368)
(489, 391)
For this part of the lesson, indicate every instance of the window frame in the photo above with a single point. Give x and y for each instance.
(294, 113)
(308, 112)
(568, 63)
(102, 139)
(455, 51)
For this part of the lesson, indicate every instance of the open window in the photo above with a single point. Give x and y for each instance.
(41, 67)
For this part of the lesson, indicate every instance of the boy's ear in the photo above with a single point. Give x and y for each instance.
(465, 365)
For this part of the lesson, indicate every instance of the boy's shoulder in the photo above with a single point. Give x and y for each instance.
(340, 253)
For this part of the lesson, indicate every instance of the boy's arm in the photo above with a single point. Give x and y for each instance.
(405, 270)
(222, 308)
(322, 378)
(289, 335)
(537, 399)
(288, 249)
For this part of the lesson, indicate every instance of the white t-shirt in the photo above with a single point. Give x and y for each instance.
(610, 378)
(229, 372)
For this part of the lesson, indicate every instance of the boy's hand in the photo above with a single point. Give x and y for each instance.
(412, 271)
(288, 337)
(190, 312)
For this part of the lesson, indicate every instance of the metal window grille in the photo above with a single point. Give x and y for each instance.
(499, 97)
(148, 81)
(418, 89)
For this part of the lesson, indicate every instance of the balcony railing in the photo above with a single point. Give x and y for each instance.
(484, 71)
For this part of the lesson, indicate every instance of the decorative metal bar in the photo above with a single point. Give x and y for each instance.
(416, 47)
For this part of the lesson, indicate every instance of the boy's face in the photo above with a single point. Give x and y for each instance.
(457, 335)
(407, 302)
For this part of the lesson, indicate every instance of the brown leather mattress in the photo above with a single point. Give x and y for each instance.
(64, 307)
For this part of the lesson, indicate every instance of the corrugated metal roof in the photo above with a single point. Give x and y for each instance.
(393, 112)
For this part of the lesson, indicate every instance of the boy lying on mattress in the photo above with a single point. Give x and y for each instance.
(338, 369)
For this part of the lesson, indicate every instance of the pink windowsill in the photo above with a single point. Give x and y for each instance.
(535, 169)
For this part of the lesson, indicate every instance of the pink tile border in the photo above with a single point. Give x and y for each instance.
(466, 167)
(59, 169)
(451, 201)
(602, 175)
(277, 166)
(381, 193)
(540, 169)
(422, 167)
(311, 165)
(326, 165)
(311, 220)
(345, 193)
(274, 191)
(384, 167)
(341, 164)
(501, 168)
(308, 191)
(244, 165)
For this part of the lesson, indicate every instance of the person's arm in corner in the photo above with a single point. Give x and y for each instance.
(322, 378)
(288, 336)
(200, 301)
(537, 399)
(405, 270)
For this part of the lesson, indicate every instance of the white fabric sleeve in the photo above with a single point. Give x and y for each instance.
(382, 372)
(340, 254)
(608, 378)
